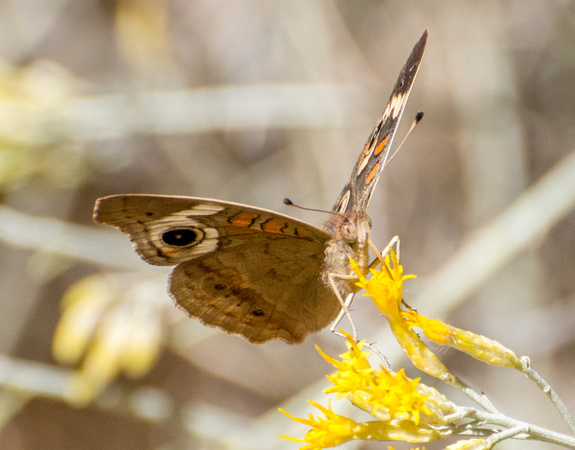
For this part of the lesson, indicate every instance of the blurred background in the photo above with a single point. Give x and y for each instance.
(252, 102)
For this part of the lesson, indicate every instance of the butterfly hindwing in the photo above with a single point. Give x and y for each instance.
(262, 290)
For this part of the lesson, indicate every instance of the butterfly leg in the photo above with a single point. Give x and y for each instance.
(395, 241)
(347, 303)
(344, 304)
(345, 311)
(379, 258)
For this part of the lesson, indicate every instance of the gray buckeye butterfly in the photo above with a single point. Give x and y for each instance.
(254, 272)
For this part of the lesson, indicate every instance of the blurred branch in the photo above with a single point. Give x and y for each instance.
(201, 110)
(488, 249)
(201, 420)
(33, 378)
(86, 118)
(75, 241)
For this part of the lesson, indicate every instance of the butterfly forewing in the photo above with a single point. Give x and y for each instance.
(373, 159)
(168, 230)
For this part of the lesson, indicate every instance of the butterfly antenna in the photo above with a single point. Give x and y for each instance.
(414, 124)
(288, 202)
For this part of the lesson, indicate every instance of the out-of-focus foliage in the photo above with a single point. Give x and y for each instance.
(110, 324)
(34, 142)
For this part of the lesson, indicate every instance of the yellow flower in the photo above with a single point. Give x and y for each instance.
(383, 394)
(386, 289)
(335, 429)
(475, 345)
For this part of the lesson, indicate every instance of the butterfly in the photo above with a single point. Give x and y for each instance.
(254, 272)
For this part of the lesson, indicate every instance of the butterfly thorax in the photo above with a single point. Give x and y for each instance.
(350, 234)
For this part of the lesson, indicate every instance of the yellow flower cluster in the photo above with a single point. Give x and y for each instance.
(406, 409)
(385, 395)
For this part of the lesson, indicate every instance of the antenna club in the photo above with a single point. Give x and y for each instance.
(288, 202)
(418, 116)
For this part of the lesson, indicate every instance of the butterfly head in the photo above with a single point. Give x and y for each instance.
(350, 233)
(354, 229)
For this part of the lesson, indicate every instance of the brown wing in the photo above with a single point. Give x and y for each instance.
(170, 230)
(245, 270)
(263, 290)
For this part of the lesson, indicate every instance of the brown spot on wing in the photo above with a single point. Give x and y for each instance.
(274, 225)
(244, 219)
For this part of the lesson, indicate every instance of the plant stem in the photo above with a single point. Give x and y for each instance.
(531, 431)
(550, 392)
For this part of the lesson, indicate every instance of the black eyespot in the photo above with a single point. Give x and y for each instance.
(258, 312)
(149, 214)
(180, 238)
(220, 286)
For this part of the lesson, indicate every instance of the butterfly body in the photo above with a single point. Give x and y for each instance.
(254, 272)
(349, 239)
